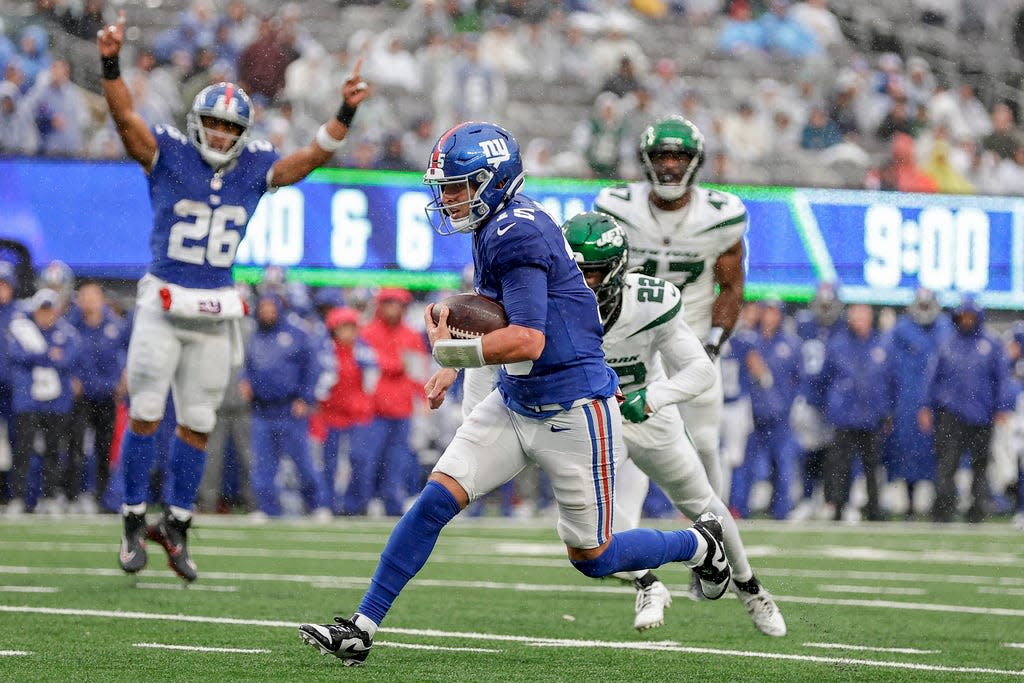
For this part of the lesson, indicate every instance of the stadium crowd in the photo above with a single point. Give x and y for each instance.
(823, 408)
(784, 92)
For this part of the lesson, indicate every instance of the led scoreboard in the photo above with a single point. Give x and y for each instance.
(368, 228)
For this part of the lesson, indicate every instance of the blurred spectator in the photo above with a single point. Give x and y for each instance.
(482, 90)
(901, 172)
(418, 141)
(1004, 137)
(262, 65)
(543, 48)
(43, 351)
(347, 412)
(232, 429)
(163, 83)
(843, 110)
(103, 348)
(601, 138)
(502, 50)
(898, 120)
(740, 34)
(390, 65)
(770, 371)
(1008, 176)
(278, 379)
(913, 347)
(939, 167)
(976, 116)
(920, 83)
(402, 357)
(241, 25)
(315, 66)
(945, 111)
(820, 132)
(8, 309)
(84, 21)
(392, 155)
(666, 87)
(577, 60)
(938, 12)
(422, 19)
(33, 53)
(786, 37)
(745, 136)
(60, 112)
(963, 399)
(815, 16)
(608, 51)
(858, 399)
(623, 81)
(18, 132)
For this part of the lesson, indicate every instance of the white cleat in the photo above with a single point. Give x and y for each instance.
(651, 603)
(762, 608)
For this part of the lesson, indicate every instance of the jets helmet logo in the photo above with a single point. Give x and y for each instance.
(615, 237)
(495, 150)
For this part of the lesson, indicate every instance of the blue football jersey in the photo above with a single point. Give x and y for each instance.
(572, 364)
(199, 217)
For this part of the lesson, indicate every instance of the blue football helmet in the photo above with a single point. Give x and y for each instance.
(226, 102)
(484, 159)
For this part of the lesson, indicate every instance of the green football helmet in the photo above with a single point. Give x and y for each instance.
(599, 243)
(674, 135)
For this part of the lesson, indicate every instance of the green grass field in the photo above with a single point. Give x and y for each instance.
(498, 602)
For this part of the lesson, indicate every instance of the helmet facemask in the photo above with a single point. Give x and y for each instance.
(609, 291)
(202, 136)
(671, 135)
(440, 212)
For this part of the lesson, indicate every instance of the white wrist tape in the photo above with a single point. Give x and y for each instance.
(459, 353)
(326, 142)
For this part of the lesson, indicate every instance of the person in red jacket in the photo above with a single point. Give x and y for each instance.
(348, 411)
(404, 367)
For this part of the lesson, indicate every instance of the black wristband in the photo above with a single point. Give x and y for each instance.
(345, 114)
(111, 68)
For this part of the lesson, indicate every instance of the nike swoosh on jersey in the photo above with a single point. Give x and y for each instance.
(560, 429)
(503, 230)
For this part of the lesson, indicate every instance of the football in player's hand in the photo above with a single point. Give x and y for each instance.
(471, 315)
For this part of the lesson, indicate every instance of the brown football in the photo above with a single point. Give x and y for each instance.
(471, 315)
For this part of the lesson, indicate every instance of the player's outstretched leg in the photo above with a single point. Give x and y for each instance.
(713, 571)
(652, 599)
(349, 640)
(133, 543)
(172, 534)
(760, 606)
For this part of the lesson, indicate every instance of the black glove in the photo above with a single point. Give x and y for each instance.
(713, 342)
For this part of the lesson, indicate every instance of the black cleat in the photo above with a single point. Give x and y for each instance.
(343, 639)
(713, 571)
(172, 534)
(133, 543)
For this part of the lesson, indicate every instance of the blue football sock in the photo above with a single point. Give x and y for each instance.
(640, 549)
(408, 548)
(185, 465)
(137, 455)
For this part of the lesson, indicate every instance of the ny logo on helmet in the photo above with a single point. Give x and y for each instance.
(495, 150)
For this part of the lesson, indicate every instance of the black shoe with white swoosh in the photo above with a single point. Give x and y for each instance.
(713, 572)
(172, 534)
(133, 543)
(343, 639)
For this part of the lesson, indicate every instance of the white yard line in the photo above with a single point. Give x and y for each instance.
(359, 583)
(14, 653)
(29, 589)
(1000, 591)
(869, 590)
(533, 555)
(866, 648)
(419, 646)
(202, 648)
(189, 587)
(1019, 646)
(664, 646)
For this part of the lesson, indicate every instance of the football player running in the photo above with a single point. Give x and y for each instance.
(692, 237)
(644, 324)
(554, 403)
(204, 186)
